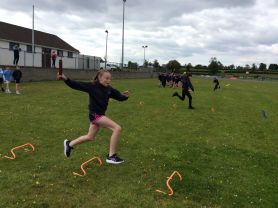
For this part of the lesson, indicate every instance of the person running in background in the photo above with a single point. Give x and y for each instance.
(163, 80)
(99, 92)
(186, 86)
(1, 79)
(217, 85)
(7, 75)
(17, 75)
(16, 55)
(53, 57)
(168, 79)
(160, 79)
(176, 81)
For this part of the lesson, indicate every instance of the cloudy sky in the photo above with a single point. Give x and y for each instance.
(235, 31)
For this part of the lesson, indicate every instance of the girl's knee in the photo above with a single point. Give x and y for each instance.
(117, 128)
(90, 137)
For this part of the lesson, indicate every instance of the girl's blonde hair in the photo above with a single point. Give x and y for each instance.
(99, 74)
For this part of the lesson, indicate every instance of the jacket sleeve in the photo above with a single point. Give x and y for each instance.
(115, 94)
(81, 86)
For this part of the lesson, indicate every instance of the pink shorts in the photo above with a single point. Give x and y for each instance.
(94, 117)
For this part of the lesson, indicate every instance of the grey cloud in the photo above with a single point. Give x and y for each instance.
(171, 28)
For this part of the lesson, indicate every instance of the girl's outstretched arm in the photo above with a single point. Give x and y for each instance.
(115, 94)
(82, 86)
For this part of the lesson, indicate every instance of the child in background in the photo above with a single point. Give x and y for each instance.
(53, 57)
(217, 85)
(186, 86)
(7, 75)
(1, 79)
(17, 74)
(99, 93)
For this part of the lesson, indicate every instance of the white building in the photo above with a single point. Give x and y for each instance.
(45, 44)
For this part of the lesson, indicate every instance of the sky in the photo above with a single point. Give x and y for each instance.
(237, 32)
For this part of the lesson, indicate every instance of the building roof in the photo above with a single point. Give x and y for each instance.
(24, 35)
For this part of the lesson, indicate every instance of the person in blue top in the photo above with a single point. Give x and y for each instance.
(186, 87)
(7, 76)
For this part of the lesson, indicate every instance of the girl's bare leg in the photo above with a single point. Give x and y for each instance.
(93, 129)
(116, 130)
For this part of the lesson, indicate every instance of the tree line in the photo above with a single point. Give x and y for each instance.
(213, 67)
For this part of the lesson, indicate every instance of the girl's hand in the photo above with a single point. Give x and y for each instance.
(61, 77)
(126, 93)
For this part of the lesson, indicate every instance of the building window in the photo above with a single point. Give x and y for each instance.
(29, 49)
(60, 53)
(70, 54)
(12, 45)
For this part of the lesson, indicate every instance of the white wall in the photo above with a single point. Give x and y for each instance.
(6, 56)
(68, 63)
(25, 59)
(94, 62)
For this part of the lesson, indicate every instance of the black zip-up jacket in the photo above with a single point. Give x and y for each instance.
(17, 74)
(186, 83)
(99, 95)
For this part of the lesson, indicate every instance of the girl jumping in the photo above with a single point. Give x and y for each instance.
(99, 92)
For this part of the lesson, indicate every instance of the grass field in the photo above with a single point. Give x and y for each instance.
(228, 158)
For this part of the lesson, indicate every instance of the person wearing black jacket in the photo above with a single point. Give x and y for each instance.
(99, 92)
(17, 75)
(186, 86)
(16, 54)
(217, 85)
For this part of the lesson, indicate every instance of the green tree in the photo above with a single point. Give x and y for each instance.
(173, 65)
(239, 68)
(247, 67)
(262, 67)
(254, 67)
(146, 63)
(188, 67)
(215, 66)
(231, 67)
(156, 64)
(132, 65)
(273, 67)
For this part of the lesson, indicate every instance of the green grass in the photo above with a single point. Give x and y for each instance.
(228, 158)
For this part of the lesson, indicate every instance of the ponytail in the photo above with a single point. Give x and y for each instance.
(99, 73)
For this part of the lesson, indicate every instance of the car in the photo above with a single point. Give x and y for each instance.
(109, 67)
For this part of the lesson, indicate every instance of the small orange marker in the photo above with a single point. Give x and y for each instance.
(20, 147)
(212, 110)
(141, 103)
(85, 163)
(167, 183)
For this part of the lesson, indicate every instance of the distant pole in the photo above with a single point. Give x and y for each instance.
(33, 36)
(144, 47)
(123, 34)
(106, 48)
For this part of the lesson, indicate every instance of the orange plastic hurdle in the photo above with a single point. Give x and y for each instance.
(85, 163)
(167, 183)
(20, 147)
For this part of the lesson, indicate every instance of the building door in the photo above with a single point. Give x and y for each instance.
(46, 57)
